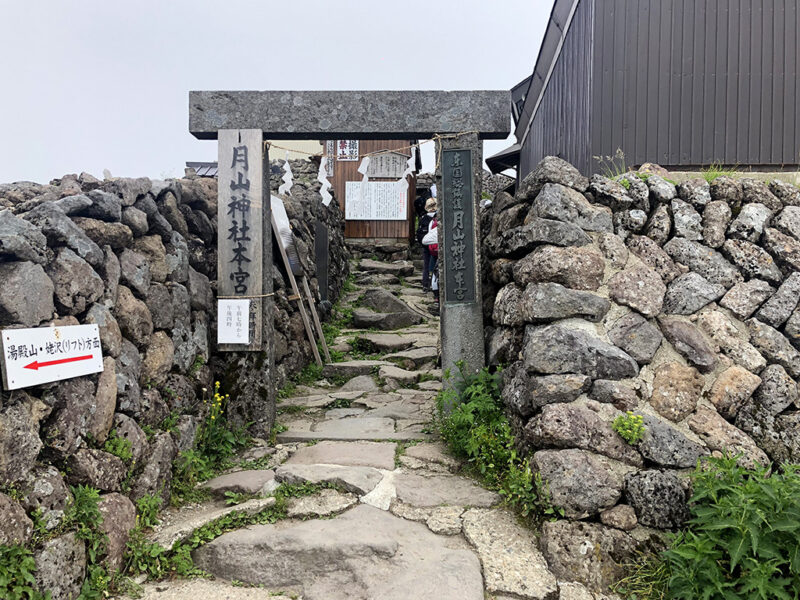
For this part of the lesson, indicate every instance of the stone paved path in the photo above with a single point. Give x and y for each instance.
(405, 526)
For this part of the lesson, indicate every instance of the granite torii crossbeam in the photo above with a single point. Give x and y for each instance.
(463, 118)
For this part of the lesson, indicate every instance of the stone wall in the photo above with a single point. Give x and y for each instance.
(138, 258)
(678, 304)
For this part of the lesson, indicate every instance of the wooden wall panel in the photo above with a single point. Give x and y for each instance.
(345, 171)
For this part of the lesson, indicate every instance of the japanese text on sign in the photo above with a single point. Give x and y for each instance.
(458, 226)
(347, 150)
(234, 322)
(239, 211)
(382, 201)
(240, 218)
(44, 354)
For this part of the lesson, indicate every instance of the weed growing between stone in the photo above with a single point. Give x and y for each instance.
(119, 447)
(156, 562)
(478, 430)
(18, 574)
(743, 540)
(215, 445)
(715, 170)
(147, 508)
(630, 427)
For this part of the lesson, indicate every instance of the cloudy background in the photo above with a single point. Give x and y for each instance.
(89, 85)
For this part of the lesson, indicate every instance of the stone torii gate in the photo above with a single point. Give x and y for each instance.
(458, 120)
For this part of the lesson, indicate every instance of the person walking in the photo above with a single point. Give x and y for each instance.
(431, 244)
(425, 222)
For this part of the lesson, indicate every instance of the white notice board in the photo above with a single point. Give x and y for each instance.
(233, 325)
(44, 354)
(382, 201)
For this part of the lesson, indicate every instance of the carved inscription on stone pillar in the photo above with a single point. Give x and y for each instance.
(458, 226)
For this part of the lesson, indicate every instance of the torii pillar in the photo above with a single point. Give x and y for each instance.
(459, 120)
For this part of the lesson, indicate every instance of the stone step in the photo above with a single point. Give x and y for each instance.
(178, 525)
(255, 481)
(399, 268)
(193, 589)
(368, 553)
(379, 455)
(415, 358)
(369, 319)
(388, 342)
(337, 436)
(353, 368)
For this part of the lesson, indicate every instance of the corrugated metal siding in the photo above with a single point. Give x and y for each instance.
(561, 124)
(691, 82)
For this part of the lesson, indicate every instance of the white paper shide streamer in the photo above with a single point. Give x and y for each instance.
(363, 168)
(288, 178)
(322, 177)
(402, 183)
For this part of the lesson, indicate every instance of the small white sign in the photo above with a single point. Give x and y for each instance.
(44, 354)
(347, 150)
(234, 322)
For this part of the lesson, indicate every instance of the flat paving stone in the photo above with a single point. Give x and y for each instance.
(369, 554)
(362, 383)
(444, 520)
(397, 374)
(316, 401)
(177, 526)
(353, 368)
(206, 589)
(349, 395)
(388, 342)
(379, 455)
(398, 410)
(309, 436)
(359, 480)
(359, 426)
(326, 502)
(430, 385)
(440, 490)
(241, 482)
(342, 413)
(415, 358)
(432, 453)
(512, 563)
(400, 268)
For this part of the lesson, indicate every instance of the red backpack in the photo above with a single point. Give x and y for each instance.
(434, 248)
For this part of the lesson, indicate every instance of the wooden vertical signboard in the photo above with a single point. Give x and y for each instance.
(240, 217)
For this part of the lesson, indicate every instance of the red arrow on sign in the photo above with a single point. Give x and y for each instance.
(34, 366)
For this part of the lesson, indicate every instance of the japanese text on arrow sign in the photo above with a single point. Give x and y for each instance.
(44, 354)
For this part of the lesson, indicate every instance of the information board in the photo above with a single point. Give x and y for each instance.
(45, 354)
(390, 164)
(382, 201)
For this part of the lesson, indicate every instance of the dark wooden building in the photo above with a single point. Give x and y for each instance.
(378, 230)
(684, 83)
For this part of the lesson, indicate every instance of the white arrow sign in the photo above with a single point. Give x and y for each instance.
(44, 354)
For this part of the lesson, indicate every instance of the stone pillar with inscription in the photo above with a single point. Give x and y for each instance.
(244, 272)
(459, 195)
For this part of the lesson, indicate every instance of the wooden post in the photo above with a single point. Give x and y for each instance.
(241, 238)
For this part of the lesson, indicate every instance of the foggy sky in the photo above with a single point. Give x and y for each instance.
(89, 85)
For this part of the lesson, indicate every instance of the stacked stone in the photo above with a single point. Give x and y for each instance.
(679, 303)
(138, 258)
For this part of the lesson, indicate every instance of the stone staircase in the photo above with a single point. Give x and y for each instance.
(398, 522)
